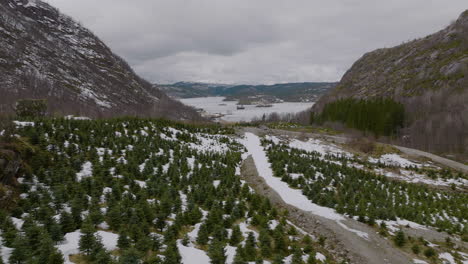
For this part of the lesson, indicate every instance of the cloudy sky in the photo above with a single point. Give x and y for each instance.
(255, 41)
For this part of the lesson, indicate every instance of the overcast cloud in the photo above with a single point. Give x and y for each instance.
(255, 41)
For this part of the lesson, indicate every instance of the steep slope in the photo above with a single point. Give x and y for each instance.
(429, 76)
(45, 54)
(292, 92)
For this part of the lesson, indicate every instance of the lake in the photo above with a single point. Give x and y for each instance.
(212, 106)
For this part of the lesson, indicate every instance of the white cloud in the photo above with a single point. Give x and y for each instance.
(261, 41)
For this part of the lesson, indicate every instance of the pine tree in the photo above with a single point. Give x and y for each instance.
(217, 253)
(249, 249)
(123, 242)
(130, 256)
(21, 250)
(203, 235)
(87, 239)
(48, 253)
(238, 258)
(103, 257)
(236, 236)
(297, 257)
(172, 255)
(278, 260)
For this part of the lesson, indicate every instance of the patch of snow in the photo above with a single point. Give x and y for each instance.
(396, 160)
(318, 146)
(448, 257)
(357, 232)
(320, 256)
(86, 171)
(192, 255)
(142, 184)
(17, 222)
(216, 183)
(23, 124)
(70, 244)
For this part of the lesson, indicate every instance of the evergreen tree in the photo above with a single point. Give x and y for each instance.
(236, 236)
(123, 242)
(172, 255)
(21, 251)
(203, 235)
(250, 252)
(238, 258)
(130, 256)
(87, 239)
(217, 253)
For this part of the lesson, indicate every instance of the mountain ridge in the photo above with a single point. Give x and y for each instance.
(429, 76)
(46, 54)
(301, 91)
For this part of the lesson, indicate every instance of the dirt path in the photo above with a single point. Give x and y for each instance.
(341, 242)
(438, 159)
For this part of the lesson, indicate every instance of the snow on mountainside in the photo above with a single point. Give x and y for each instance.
(46, 54)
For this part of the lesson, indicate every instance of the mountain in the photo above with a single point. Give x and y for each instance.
(292, 92)
(429, 76)
(46, 54)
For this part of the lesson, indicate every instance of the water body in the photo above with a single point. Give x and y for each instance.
(213, 105)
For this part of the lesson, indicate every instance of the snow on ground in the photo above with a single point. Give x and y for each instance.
(212, 106)
(209, 143)
(86, 171)
(320, 256)
(394, 226)
(5, 252)
(396, 160)
(77, 117)
(23, 124)
(418, 261)
(357, 232)
(448, 257)
(142, 184)
(230, 254)
(413, 177)
(290, 196)
(70, 245)
(216, 183)
(318, 146)
(192, 255)
(17, 222)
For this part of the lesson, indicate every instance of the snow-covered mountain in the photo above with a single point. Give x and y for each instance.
(46, 54)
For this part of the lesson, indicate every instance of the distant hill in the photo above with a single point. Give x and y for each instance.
(429, 76)
(46, 54)
(292, 92)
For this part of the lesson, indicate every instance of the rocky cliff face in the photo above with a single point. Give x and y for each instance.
(429, 76)
(45, 54)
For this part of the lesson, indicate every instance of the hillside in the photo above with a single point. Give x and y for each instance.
(429, 76)
(290, 92)
(45, 54)
(142, 191)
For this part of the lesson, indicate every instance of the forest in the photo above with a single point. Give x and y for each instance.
(379, 116)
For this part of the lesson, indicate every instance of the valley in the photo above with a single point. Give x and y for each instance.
(166, 191)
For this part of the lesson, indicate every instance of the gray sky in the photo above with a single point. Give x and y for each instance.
(255, 41)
